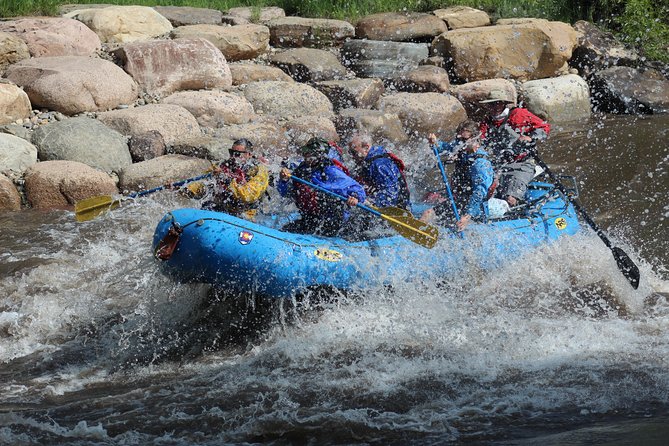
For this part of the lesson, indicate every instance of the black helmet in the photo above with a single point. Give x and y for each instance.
(315, 146)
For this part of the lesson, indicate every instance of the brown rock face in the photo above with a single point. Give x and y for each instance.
(12, 49)
(14, 104)
(299, 31)
(244, 73)
(165, 66)
(10, 200)
(400, 27)
(237, 42)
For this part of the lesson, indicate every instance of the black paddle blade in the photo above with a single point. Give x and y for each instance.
(627, 266)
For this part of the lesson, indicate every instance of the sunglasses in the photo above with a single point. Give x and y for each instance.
(237, 153)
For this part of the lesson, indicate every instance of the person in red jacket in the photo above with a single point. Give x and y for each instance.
(511, 134)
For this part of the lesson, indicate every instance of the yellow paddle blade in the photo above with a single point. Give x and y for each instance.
(90, 208)
(410, 227)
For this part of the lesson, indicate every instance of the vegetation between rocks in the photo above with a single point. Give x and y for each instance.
(643, 24)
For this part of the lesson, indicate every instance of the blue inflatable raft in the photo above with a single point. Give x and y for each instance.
(242, 256)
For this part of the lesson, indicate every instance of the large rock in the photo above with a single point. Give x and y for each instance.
(10, 199)
(186, 15)
(384, 127)
(382, 59)
(300, 130)
(14, 104)
(60, 184)
(235, 42)
(598, 50)
(164, 66)
(400, 27)
(309, 64)
(12, 49)
(73, 84)
(54, 36)
(70, 140)
(267, 136)
(287, 100)
(171, 121)
(558, 100)
(214, 108)
(16, 155)
(423, 79)
(299, 31)
(628, 90)
(471, 93)
(259, 15)
(527, 50)
(122, 24)
(205, 147)
(146, 146)
(162, 170)
(425, 113)
(244, 73)
(352, 93)
(463, 17)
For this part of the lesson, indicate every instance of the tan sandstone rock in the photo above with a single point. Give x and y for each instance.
(12, 49)
(10, 199)
(244, 73)
(214, 108)
(400, 27)
(287, 100)
(558, 100)
(300, 31)
(158, 171)
(237, 42)
(14, 104)
(463, 17)
(121, 24)
(54, 36)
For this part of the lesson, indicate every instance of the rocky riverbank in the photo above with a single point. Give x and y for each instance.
(121, 98)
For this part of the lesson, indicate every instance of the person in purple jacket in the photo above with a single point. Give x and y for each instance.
(320, 213)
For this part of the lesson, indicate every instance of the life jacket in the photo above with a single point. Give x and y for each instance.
(495, 180)
(404, 195)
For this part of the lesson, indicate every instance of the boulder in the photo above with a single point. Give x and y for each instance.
(73, 84)
(425, 113)
(122, 24)
(383, 127)
(309, 64)
(171, 121)
(14, 104)
(237, 42)
(54, 36)
(16, 155)
(558, 100)
(257, 15)
(214, 108)
(162, 67)
(287, 100)
(158, 171)
(299, 31)
(10, 199)
(598, 50)
(244, 73)
(70, 140)
(463, 17)
(300, 130)
(186, 15)
(527, 50)
(628, 90)
(60, 184)
(206, 147)
(382, 59)
(146, 146)
(400, 27)
(267, 136)
(471, 93)
(424, 78)
(352, 93)
(12, 50)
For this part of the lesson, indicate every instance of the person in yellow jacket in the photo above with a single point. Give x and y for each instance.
(239, 182)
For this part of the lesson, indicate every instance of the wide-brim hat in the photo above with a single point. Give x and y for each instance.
(498, 96)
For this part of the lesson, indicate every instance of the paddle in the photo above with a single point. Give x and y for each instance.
(625, 264)
(446, 182)
(90, 208)
(400, 220)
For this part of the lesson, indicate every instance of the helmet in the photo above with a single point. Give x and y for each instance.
(315, 146)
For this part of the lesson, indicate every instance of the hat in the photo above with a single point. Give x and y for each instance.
(498, 96)
(316, 146)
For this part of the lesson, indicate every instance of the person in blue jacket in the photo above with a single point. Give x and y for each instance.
(380, 172)
(480, 185)
(320, 213)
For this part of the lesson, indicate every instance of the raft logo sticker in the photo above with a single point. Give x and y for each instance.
(560, 223)
(328, 254)
(245, 237)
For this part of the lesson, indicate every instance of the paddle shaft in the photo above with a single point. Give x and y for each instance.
(446, 182)
(175, 184)
(625, 263)
(332, 194)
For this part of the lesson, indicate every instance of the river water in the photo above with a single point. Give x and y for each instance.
(97, 347)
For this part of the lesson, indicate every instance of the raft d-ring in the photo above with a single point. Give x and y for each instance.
(200, 222)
